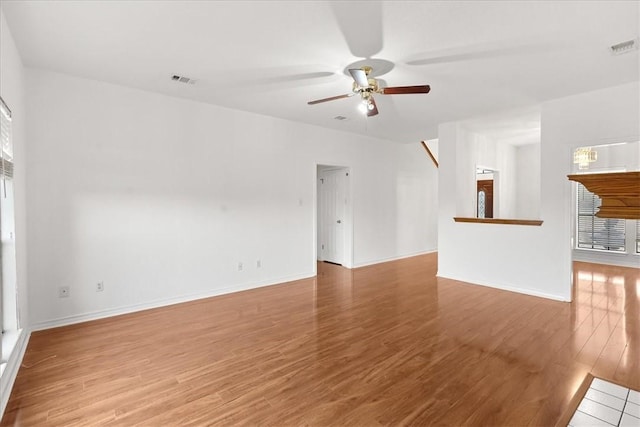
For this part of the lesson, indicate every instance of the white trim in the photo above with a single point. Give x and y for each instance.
(395, 258)
(10, 372)
(506, 288)
(621, 259)
(101, 314)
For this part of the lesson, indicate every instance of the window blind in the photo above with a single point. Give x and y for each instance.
(6, 154)
(605, 234)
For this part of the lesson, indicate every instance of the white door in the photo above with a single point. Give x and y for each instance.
(331, 215)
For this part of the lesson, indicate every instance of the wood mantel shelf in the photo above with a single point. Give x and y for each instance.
(536, 222)
(619, 191)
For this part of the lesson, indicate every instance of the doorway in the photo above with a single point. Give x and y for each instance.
(334, 223)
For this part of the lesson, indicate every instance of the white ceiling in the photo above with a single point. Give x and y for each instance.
(272, 57)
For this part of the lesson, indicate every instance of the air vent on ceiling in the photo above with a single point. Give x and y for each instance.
(624, 47)
(340, 118)
(183, 79)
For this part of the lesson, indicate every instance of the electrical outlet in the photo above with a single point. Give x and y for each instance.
(258, 264)
(100, 287)
(63, 292)
(239, 266)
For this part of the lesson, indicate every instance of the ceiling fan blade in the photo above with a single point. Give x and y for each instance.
(361, 26)
(479, 51)
(293, 77)
(374, 111)
(333, 98)
(399, 90)
(359, 76)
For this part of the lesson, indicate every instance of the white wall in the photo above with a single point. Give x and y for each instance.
(613, 157)
(478, 150)
(12, 90)
(160, 198)
(507, 181)
(601, 117)
(532, 260)
(527, 178)
(464, 177)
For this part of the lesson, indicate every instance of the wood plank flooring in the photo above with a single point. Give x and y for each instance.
(388, 344)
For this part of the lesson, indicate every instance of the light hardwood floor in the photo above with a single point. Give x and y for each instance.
(388, 344)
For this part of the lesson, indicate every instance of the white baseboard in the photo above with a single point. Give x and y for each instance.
(600, 257)
(380, 261)
(10, 372)
(101, 314)
(523, 291)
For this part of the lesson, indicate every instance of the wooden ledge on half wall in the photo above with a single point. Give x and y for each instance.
(535, 222)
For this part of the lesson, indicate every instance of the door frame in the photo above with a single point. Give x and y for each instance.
(348, 213)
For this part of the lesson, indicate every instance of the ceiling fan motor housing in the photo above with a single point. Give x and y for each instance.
(373, 87)
(366, 87)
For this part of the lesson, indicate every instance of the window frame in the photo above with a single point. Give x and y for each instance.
(605, 234)
(9, 319)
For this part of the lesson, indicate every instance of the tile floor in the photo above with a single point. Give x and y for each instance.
(607, 404)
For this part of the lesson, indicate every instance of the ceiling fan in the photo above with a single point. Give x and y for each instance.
(366, 87)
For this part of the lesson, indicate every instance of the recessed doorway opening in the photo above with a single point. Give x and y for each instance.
(486, 180)
(334, 226)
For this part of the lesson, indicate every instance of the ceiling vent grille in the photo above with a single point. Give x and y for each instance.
(624, 47)
(183, 79)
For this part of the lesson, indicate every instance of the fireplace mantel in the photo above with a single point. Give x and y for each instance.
(619, 191)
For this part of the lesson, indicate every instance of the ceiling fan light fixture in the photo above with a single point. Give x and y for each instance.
(366, 105)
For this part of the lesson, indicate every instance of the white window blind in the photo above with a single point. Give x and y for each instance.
(8, 319)
(6, 160)
(5, 141)
(606, 234)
